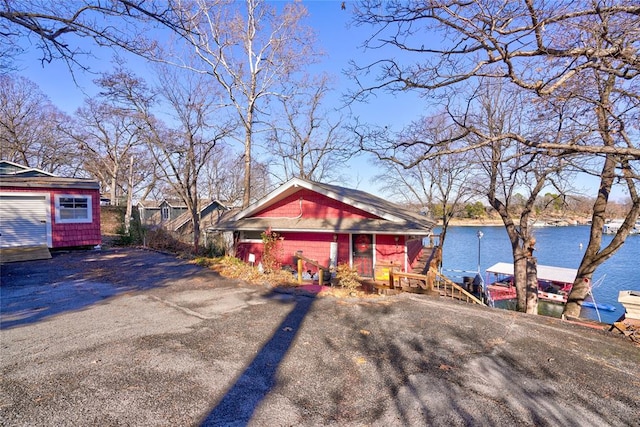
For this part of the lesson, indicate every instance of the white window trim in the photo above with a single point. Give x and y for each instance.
(87, 220)
(243, 239)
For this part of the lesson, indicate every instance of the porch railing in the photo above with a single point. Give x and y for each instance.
(432, 281)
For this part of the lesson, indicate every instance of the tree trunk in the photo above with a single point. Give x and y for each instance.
(246, 200)
(532, 285)
(114, 199)
(127, 215)
(582, 282)
(195, 218)
(520, 279)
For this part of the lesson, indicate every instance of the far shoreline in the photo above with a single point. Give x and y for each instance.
(498, 222)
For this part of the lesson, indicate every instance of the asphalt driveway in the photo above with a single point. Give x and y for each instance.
(133, 337)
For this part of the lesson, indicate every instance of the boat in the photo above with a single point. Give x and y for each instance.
(604, 307)
(614, 225)
(554, 283)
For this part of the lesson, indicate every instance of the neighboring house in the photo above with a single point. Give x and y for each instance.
(209, 215)
(156, 212)
(38, 208)
(175, 217)
(330, 225)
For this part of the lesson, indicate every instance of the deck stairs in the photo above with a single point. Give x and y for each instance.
(448, 288)
(428, 256)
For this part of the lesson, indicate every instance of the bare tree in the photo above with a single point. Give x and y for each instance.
(503, 170)
(441, 185)
(182, 151)
(30, 128)
(585, 53)
(108, 137)
(251, 51)
(309, 144)
(56, 26)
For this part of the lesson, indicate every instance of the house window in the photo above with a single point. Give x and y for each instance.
(73, 208)
(165, 213)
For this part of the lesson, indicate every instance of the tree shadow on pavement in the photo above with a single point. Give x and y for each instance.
(259, 378)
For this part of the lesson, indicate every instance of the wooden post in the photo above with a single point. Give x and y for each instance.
(320, 278)
(390, 278)
(431, 278)
(300, 270)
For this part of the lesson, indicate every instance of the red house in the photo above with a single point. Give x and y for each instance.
(40, 209)
(331, 225)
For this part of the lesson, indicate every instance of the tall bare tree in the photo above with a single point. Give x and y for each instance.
(584, 52)
(182, 149)
(31, 128)
(108, 136)
(309, 142)
(252, 51)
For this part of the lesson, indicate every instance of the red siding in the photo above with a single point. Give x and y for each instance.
(314, 205)
(414, 251)
(85, 234)
(69, 235)
(316, 246)
(388, 250)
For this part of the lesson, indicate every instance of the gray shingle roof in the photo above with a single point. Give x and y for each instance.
(392, 218)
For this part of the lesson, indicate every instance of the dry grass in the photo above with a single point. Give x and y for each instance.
(234, 268)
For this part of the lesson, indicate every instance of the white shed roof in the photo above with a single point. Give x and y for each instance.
(545, 272)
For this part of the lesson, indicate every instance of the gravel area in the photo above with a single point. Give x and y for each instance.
(129, 337)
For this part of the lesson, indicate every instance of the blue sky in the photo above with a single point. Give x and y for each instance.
(341, 43)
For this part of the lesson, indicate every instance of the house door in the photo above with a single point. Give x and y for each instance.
(362, 245)
(24, 220)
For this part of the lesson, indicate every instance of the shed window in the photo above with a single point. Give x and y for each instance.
(73, 209)
(165, 213)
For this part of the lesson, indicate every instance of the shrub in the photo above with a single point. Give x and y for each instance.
(347, 277)
(271, 241)
(162, 240)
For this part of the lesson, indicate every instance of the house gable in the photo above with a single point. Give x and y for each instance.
(11, 168)
(301, 205)
(305, 203)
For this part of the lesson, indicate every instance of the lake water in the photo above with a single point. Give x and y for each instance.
(555, 246)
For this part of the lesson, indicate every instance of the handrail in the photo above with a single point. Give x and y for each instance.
(393, 275)
(315, 263)
(435, 280)
(440, 278)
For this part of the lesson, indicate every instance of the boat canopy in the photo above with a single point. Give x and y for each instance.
(545, 272)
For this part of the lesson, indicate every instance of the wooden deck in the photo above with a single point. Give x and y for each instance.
(24, 253)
